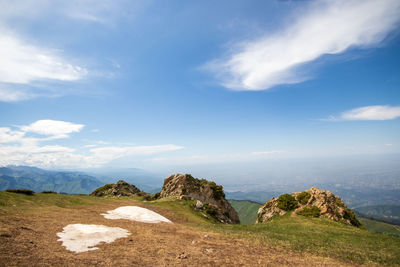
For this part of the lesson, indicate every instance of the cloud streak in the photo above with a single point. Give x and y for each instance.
(372, 113)
(367, 113)
(18, 147)
(328, 27)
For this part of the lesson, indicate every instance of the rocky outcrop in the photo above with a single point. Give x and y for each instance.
(121, 188)
(210, 196)
(313, 202)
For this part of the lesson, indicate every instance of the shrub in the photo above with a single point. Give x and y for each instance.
(21, 191)
(218, 192)
(287, 202)
(103, 188)
(339, 203)
(303, 197)
(147, 197)
(314, 211)
(48, 192)
(209, 209)
(350, 215)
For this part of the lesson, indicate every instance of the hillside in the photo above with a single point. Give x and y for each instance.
(28, 227)
(38, 180)
(380, 227)
(247, 210)
(386, 213)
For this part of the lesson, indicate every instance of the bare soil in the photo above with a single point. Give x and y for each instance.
(29, 239)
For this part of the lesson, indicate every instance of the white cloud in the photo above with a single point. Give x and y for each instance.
(18, 147)
(14, 94)
(53, 128)
(8, 136)
(372, 113)
(328, 27)
(23, 63)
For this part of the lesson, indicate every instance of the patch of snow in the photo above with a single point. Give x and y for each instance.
(83, 237)
(135, 213)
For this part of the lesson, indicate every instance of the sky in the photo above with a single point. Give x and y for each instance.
(162, 84)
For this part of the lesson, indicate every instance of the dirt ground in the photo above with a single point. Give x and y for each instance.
(29, 239)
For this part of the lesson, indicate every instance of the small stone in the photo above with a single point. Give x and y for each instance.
(183, 255)
(209, 250)
(194, 242)
(206, 236)
(199, 204)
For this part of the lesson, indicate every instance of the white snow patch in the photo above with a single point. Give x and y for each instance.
(83, 237)
(134, 213)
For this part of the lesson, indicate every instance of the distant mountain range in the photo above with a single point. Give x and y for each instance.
(38, 180)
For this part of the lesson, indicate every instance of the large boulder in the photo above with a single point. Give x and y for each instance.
(121, 188)
(210, 196)
(313, 202)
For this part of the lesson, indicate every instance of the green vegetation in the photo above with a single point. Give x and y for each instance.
(40, 180)
(319, 236)
(303, 197)
(351, 216)
(103, 188)
(21, 191)
(247, 210)
(210, 210)
(309, 212)
(11, 202)
(287, 202)
(49, 192)
(218, 191)
(339, 203)
(386, 213)
(380, 227)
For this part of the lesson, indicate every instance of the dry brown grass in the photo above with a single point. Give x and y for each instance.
(28, 238)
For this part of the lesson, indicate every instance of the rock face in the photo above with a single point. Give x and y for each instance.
(313, 202)
(210, 196)
(121, 188)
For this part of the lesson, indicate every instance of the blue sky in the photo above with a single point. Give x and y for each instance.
(158, 84)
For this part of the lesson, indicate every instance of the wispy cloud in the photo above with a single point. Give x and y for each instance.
(368, 113)
(328, 27)
(29, 68)
(22, 64)
(53, 128)
(379, 113)
(19, 147)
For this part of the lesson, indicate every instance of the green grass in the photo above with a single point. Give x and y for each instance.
(247, 210)
(11, 202)
(319, 236)
(380, 227)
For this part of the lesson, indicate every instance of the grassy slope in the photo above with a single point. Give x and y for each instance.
(247, 210)
(317, 236)
(380, 227)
